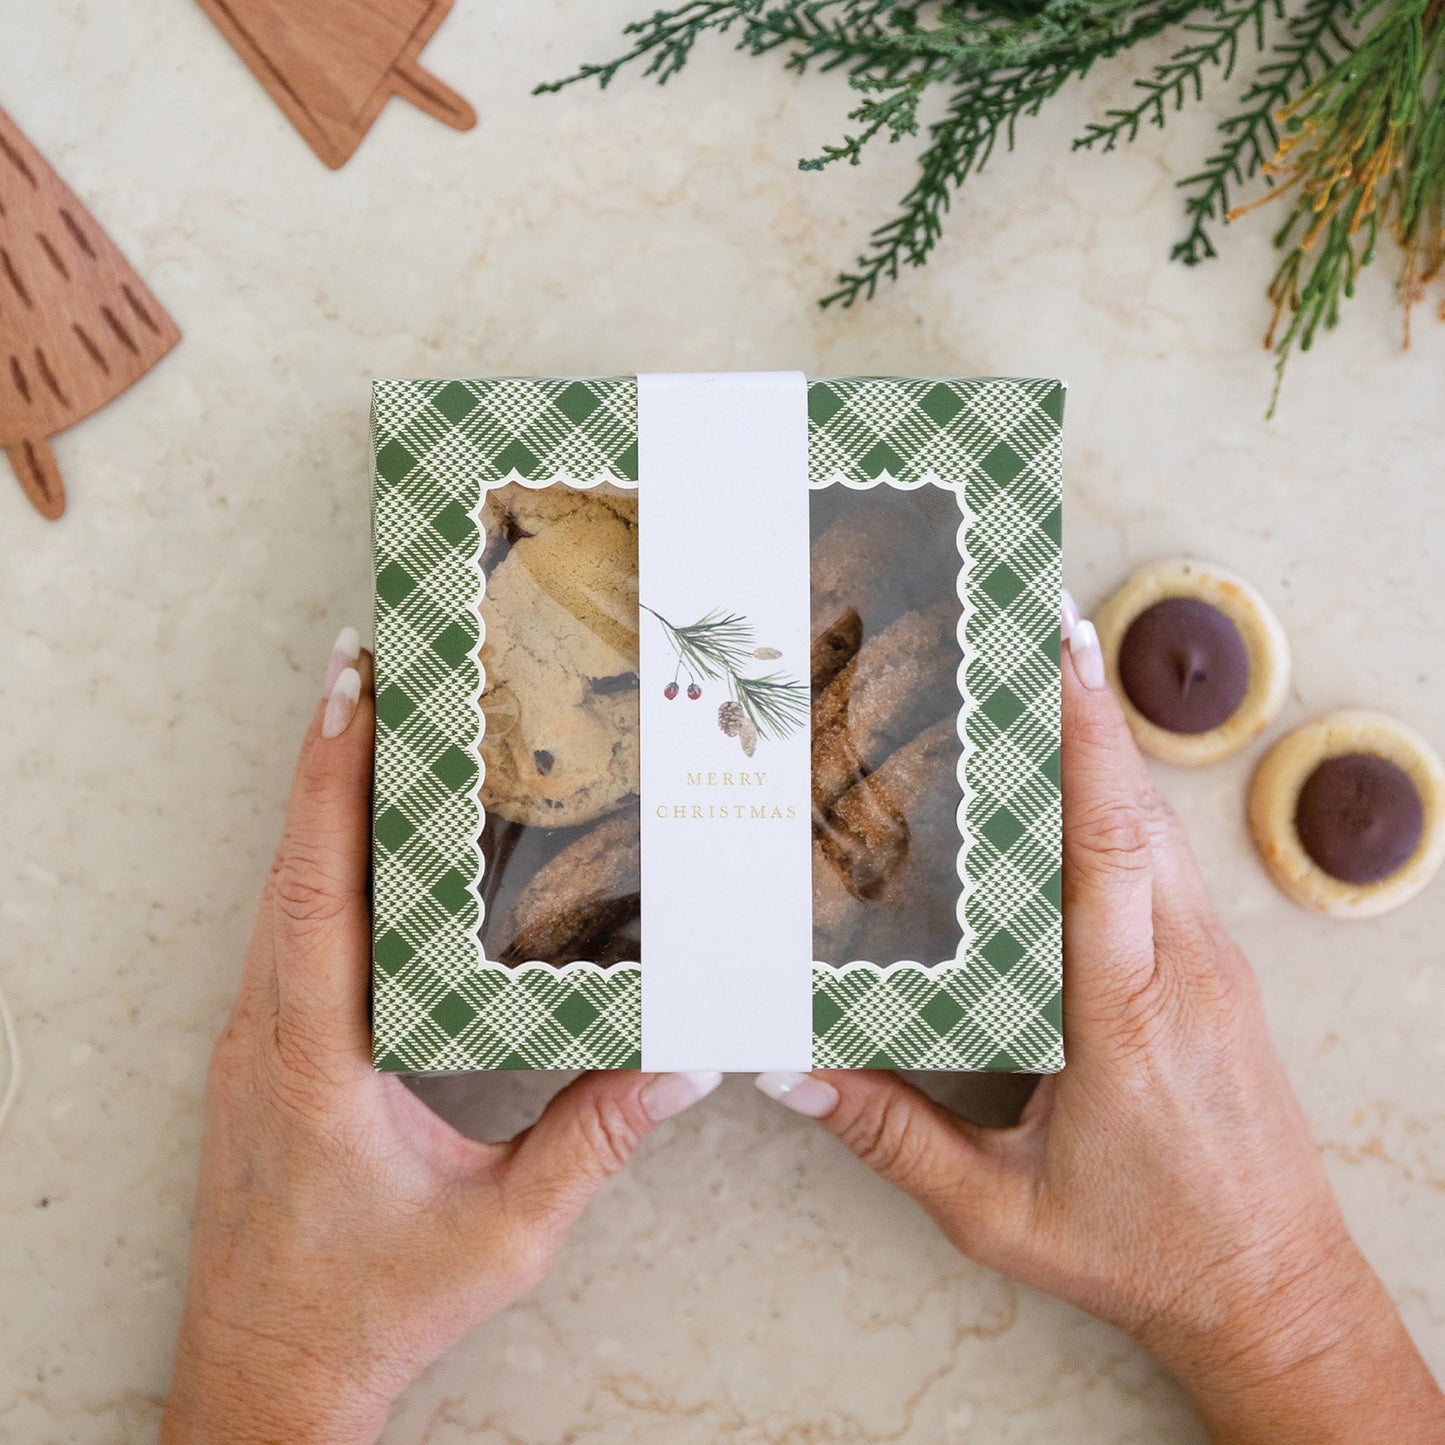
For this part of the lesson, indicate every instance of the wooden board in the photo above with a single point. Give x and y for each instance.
(77, 325)
(332, 64)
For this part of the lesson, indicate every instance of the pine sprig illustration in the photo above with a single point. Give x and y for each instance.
(777, 704)
(719, 646)
(716, 646)
(1313, 39)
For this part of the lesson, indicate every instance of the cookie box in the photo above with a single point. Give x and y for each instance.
(717, 723)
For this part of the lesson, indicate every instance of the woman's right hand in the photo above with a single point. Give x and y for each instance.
(1166, 1181)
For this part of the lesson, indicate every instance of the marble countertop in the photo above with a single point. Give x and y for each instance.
(162, 647)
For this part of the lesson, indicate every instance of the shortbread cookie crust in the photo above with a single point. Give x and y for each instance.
(1264, 641)
(1274, 795)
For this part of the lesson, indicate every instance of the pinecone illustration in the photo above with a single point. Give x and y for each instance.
(77, 325)
(730, 717)
(748, 736)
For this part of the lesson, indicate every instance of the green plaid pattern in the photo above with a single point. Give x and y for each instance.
(1000, 1006)
(437, 444)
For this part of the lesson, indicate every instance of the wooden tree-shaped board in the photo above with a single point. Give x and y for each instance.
(332, 64)
(77, 325)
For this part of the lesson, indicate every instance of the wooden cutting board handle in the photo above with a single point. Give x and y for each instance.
(38, 476)
(331, 65)
(434, 96)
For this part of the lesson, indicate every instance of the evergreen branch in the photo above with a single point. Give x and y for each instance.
(665, 39)
(1171, 83)
(865, 37)
(1421, 224)
(891, 106)
(971, 38)
(1358, 129)
(1348, 139)
(777, 704)
(984, 109)
(1315, 301)
(958, 145)
(717, 646)
(999, 59)
(1311, 41)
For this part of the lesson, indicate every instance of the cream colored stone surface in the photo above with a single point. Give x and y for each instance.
(162, 646)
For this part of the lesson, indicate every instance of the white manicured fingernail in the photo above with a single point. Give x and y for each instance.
(341, 704)
(1087, 654)
(344, 652)
(801, 1093)
(670, 1094)
(1068, 615)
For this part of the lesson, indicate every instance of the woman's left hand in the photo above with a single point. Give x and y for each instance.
(344, 1235)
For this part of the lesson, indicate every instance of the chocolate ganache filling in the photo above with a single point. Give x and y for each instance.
(1184, 665)
(1359, 817)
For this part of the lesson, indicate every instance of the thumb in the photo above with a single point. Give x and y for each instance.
(938, 1159)
(1108, 858)
(316, 907)
(589, 1132)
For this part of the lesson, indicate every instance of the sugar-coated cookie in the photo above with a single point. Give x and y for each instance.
(903, 807)
(1348, 813)
(574, 903)
(902, 677)
(885, 876)
(850, 564)
(1198, 659)
(833, 649)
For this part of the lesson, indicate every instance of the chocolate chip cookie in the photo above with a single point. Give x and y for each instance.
(560, 649)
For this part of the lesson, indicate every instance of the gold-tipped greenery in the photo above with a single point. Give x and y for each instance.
(1344, 108)
(1362, 151)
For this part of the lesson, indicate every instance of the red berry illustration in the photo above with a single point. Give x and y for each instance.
(694, 691)
(670, 691)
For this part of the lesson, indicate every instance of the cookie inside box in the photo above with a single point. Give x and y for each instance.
(561, 843)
